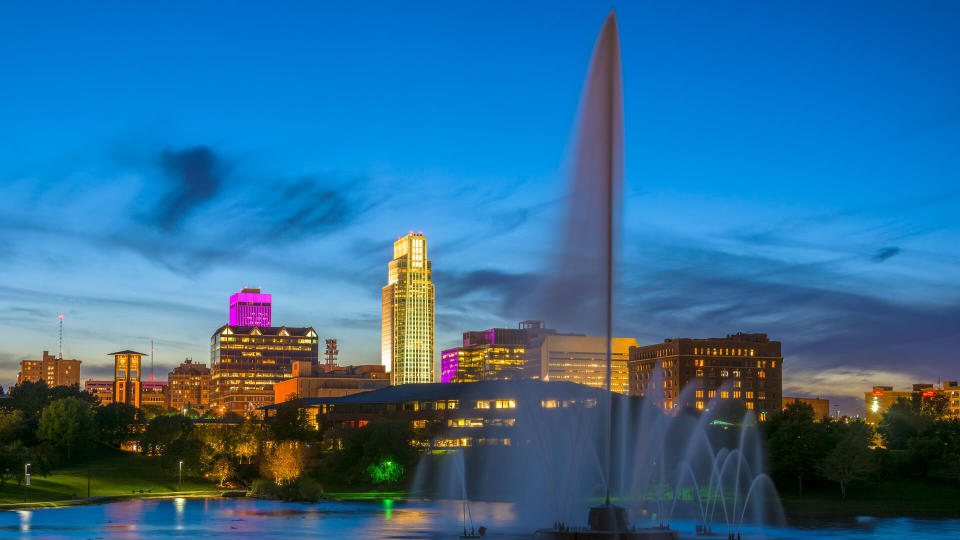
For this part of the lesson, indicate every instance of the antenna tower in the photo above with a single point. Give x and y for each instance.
(331, 354)
(151, 359)
(60, 316)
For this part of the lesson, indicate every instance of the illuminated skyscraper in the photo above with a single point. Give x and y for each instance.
(250, 307)
(407, 319)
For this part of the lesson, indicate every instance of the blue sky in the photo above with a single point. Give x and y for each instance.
(790, 168)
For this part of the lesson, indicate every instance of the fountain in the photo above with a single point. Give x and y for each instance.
(627, 466)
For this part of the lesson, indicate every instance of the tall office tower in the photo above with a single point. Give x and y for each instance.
(55, 371)
(250, 307)
(246, 361)
(126, 377)
(406, 346)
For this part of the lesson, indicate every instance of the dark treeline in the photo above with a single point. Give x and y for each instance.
(914, 439)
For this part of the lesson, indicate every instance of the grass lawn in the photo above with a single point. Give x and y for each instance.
(111, 473)
(915, 497)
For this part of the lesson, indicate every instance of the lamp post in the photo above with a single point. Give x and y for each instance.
(180, 482)
(26, 480)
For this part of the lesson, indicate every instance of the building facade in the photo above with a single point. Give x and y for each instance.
(486, 413)
(102, 390)
(746, 367)
(320, 381)
(497, 354)
(820, 406)
(579, 359)
(879, 400)
(250, 307)
(407, 317)
(155, 394)
(52, 370)
(189, 386)
(246, 361)
(126, 377)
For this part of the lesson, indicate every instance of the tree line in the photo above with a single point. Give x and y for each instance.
(914, 439)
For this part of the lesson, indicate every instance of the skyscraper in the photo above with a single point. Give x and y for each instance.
(407, 318)
(250, 307)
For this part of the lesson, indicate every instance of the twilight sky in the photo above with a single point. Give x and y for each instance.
(790, 169)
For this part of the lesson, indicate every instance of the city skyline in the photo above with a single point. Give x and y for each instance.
(810, 197)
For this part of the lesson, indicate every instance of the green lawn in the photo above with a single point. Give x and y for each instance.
(111, 473)
(917, 497)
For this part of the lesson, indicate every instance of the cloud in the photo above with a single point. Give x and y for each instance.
(885, 253)
(197, 174)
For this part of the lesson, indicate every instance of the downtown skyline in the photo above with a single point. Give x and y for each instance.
(753, 202)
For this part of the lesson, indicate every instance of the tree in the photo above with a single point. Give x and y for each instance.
(384, 444)
(849, 460)
(247, 441)
(13, 456)
(67, 423)
(186, 452)
(12, 425)
(796, 442)
(902, 422)
(222, 470)
(284, 462)
(29, 397)
(290, 423)
(118, 423)
(164, 430)
(74, 391)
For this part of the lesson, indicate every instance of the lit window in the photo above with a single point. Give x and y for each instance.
(699, 393)
(749, 405)
(712, 394)
(700, 405)
(724, 394)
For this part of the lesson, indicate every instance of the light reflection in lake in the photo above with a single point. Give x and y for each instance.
(388, 518)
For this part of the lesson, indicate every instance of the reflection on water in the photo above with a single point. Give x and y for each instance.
(376, 519)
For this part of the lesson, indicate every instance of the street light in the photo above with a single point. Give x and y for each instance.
(180, 482)
(26, 480)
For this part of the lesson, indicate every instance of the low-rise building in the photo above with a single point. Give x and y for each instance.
(745, 367)
(879, 400)
(51, 369)
(459, 414)
(103, 390)
(322, 381)
(155, 394)
(821, 406)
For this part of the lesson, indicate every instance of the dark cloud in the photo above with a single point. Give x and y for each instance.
(885, 253)
(197, 174)
(314, 206)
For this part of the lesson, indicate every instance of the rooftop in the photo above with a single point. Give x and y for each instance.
(464, 391)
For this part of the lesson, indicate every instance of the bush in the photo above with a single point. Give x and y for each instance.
(301, 489)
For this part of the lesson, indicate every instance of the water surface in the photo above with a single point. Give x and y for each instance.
(236, 518)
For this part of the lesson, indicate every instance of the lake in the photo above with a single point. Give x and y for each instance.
(204, 518)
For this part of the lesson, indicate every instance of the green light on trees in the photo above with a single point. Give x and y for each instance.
(385, 471)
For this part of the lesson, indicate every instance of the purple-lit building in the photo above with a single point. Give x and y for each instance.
(490, 355)
(250, 307)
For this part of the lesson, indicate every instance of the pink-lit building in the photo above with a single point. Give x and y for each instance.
(250, 307)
